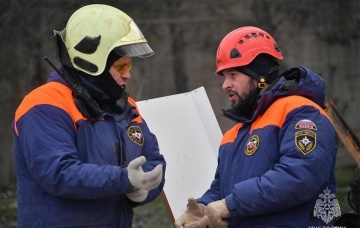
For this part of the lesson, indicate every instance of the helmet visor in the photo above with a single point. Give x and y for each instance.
(141, 50)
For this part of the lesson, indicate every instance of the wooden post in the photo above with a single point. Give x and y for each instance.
(168, 208)
(346, 135)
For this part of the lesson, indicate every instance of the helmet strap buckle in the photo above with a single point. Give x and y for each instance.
(261, 82)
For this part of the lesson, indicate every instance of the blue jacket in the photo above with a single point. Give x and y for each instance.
(274, 167)
(68, 167)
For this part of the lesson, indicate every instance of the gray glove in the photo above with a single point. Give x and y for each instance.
(141, 180)
(138, 195)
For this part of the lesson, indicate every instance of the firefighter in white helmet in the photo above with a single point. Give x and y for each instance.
(83, 154)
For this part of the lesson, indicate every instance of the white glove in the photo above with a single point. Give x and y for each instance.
(141, 180)
(138, 195)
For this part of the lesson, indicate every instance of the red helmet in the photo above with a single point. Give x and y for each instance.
(241, 46)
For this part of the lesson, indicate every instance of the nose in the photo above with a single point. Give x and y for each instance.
(226, 84)
(126, 76)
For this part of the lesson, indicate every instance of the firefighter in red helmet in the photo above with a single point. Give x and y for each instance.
(276, 166)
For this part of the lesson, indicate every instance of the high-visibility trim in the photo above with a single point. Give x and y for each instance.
(133, 103)
(275, 115)
(231, 134)
(52, 93)
(277, 112)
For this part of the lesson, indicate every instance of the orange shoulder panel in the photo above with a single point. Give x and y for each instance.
(52, 93)
(278, 111)
(133, 103)
(275, 115)
(231, 134)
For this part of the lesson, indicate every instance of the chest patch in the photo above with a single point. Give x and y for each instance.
(252, 144)
(305, 140)
(136, 135)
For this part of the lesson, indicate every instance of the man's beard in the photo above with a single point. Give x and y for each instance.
(246, 105)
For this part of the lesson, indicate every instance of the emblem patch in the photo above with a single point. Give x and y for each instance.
(305, 140)
(306, 124)
(252, 144)
(136, 135)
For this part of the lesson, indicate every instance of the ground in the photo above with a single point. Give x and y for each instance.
(155, 215)
(150, 216)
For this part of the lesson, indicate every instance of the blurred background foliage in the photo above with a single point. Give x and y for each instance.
(322, 35)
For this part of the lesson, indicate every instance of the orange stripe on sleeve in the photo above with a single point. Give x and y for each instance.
(52, 93)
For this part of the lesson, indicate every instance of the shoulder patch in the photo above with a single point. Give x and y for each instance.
(306, 124)
(305, 141)
(252, 144)
(136, 135)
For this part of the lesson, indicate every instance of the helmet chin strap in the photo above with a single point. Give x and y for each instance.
(264, 68)
(261, 82)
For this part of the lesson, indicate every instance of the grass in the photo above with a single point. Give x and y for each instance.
(343, 177)
(152, 215)
(8, 212)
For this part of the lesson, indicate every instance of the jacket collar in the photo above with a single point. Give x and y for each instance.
(298, 80)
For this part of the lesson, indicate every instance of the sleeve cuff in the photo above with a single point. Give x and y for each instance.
(231, 205)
